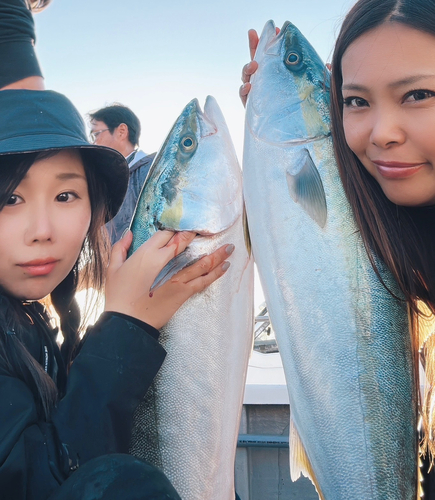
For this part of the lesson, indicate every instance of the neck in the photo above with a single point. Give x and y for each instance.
(127, 150)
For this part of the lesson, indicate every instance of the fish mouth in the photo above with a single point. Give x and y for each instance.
(207, 123)
(273, 48)
(270, 42)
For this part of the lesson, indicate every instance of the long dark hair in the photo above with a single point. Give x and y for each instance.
(88, 270)
(403, 237)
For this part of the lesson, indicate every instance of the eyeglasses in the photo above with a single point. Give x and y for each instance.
(94, 135)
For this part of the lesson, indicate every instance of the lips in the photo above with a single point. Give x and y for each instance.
(397, 170)
(39, 267)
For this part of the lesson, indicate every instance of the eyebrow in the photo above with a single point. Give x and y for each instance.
(66, 176)
(398, 83)
(69, 175)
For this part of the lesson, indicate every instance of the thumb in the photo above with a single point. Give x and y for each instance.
(119, 251)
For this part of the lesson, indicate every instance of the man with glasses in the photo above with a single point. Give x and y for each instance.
(117, 127)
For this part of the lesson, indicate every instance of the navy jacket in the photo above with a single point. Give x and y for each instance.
(116, 364)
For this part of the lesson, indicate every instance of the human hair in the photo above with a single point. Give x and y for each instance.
(116, 114)
(88, 270)
(402, 237)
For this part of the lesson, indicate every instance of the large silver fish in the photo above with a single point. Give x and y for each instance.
(344, 340)
(188, 424)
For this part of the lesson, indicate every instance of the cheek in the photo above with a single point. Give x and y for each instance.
(11, 229)
(422, 138)
(353, 135)
(76, 229)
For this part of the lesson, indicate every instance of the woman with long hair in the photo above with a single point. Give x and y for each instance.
(383, 121)
(383, 125)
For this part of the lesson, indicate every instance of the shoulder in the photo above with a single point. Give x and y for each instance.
(142, 161)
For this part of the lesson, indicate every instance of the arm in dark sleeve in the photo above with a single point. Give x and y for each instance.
(17, 37)
(32, 461)
(112, 372)
(109, 377)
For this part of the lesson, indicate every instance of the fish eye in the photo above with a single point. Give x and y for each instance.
(293, 59)
(188, 143)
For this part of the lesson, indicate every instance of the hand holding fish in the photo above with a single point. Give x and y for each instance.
(250, 68)
(129, 280)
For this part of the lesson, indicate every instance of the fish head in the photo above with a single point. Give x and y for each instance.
(194, 183)
(289, 99)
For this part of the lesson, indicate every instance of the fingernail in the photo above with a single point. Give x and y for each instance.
(230, 249)
(124, 233)
(225, 266)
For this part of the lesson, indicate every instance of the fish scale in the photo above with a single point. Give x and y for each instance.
(188, 423)
(343, 338)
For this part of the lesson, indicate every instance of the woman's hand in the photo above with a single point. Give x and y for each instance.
(250, 68)
(129, 280)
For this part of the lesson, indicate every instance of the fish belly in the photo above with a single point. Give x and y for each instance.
(188, 424)
(343, 338)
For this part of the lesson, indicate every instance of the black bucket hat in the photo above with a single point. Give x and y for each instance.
(43, 120)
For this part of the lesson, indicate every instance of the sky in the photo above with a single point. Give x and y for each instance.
(156, 56)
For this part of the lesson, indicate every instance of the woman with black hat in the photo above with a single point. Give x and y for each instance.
(56, 191)
(66, 414)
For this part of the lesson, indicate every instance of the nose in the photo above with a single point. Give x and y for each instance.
(39, 226)
(386, 129)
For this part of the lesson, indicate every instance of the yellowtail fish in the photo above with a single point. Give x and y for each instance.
(188, 424)
(344, 339)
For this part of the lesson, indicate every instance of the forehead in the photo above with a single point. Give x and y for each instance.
(64, 164)
(389, 53)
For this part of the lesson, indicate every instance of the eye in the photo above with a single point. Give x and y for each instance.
(14, 199)
(355, 102)
(66, 197)
(188, 143)
(292, 59)
(419, 95)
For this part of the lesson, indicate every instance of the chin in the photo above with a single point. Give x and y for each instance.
(28, 297)
(407, 200)
(32, 293)
(412, 203)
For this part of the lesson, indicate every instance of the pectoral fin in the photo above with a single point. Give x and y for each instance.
(299, 461)
(306, 188)
(184, 259)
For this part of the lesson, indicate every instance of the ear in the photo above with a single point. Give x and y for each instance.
(122, 130)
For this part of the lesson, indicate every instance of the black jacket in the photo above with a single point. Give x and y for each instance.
(117, 362)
